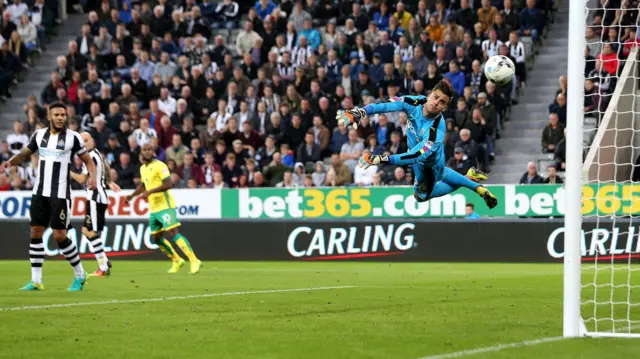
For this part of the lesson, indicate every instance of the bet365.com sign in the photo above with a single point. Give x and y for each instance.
(354, 202)
(398, 202)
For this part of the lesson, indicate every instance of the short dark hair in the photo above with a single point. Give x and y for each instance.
(444, 87)
(471, 205)
(57, 105)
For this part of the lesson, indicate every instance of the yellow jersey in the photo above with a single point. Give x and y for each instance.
(152, 175)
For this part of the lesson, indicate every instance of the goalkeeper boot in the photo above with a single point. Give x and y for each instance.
(175, 267)
(32, 286)
(488, 197)
(476, 175)
(78, 284)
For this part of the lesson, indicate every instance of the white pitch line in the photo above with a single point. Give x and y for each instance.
(499, 347)
(193, 296)
(495, 348)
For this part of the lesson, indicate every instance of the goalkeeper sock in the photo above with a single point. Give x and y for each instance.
(185, 246)
(167, 249)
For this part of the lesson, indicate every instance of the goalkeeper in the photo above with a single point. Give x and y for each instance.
(425, 135)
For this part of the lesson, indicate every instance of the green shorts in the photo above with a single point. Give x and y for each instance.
(163, 220)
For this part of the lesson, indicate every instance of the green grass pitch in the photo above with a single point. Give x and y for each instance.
(404, 311)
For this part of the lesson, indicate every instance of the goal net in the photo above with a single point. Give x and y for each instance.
(602, 234)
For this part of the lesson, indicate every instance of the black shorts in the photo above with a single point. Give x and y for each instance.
(50, 212)
(94, 219)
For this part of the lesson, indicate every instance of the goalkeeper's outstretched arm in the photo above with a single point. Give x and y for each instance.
(353, 116)
(384, 107)
(416, 154)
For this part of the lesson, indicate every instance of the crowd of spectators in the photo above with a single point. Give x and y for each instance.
(234, 100)
(23, 26)
(610, 36)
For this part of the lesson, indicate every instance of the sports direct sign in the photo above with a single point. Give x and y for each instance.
(203, 203)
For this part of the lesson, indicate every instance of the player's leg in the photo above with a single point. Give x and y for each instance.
(92, 229)
(455, 180)
(36, 257)
(452, 180)
(59, 224)
(433, 180)
(183, 243)
(171, 227)
(40, 214)
(165, 247)
(424, 182)
(157, 235)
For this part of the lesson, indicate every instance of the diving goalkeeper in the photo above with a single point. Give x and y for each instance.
(425, 135)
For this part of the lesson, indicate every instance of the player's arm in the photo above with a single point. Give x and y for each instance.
(416, 154)
(140, 189)
(167, 184)
(91, 167)
(81, 151)
(395, 104)
(22, 156)
(17, 159)
(107, 176)
(80, 177)
(431, 142)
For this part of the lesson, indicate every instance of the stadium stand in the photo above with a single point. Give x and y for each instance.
(27, 64)
(235, 96)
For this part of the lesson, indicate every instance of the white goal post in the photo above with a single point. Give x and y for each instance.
(599, 294)
(572, 321)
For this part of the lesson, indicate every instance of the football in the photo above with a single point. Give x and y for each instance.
(499, 69)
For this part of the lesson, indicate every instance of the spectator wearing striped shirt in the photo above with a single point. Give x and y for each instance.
(516, 51)
(404, 49)
(491, 45)
(301, 53)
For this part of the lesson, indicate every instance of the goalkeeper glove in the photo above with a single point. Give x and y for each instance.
(369, 160)
(351, 117)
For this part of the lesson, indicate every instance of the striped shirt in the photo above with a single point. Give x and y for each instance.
(300, 55)
(517, 51)
(55, 153)
(406, 53)
(491, 48)
(287, 72)
(99, 194)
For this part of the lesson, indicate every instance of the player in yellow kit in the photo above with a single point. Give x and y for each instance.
(163, 222)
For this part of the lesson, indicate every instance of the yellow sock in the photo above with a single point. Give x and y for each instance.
(185, 247)
(167, 249)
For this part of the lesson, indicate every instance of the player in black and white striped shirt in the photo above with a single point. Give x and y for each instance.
(51, 200)
(97, 202)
